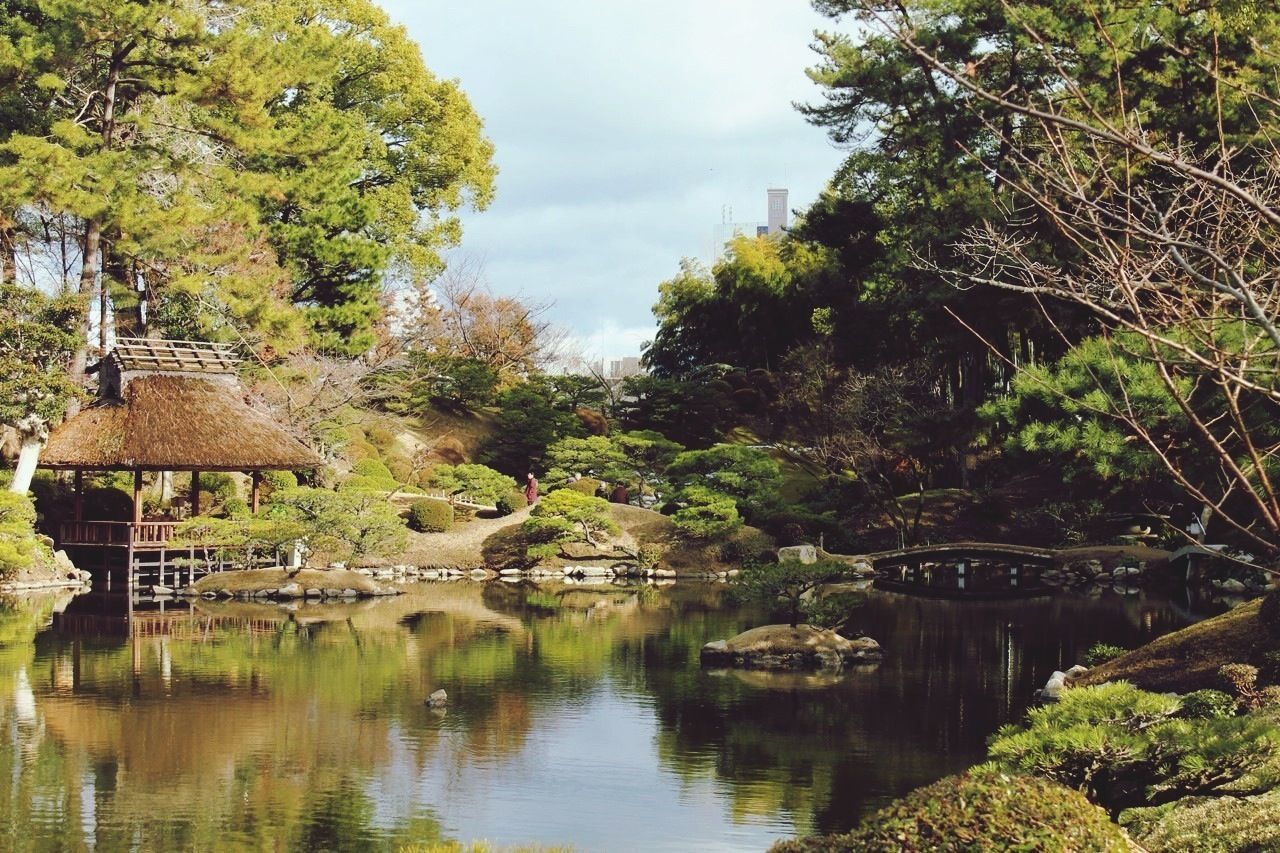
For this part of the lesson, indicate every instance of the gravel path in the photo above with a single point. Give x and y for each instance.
(460, 547)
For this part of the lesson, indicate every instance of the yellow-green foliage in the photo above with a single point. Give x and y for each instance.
(347, 523)
(587, 486)
(431, 516)
(980, 810)
(19, 548)
(566, 516)
(1210, 825)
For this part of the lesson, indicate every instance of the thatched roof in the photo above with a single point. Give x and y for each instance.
(175, 423)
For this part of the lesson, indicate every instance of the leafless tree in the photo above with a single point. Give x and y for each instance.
(459, 314)
(1164, 243)
(870, 416)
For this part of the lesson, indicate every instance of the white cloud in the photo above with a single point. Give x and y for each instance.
(622, 130)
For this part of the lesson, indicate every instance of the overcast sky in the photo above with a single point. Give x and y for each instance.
(623, 132)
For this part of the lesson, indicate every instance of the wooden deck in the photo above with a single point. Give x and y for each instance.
(142, 535)
(137, 553)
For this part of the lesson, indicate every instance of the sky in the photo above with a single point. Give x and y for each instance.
(624, 134)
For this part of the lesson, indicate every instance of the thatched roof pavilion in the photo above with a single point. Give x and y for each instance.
(168, 406)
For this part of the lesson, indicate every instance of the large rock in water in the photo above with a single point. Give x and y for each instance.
(784, 647)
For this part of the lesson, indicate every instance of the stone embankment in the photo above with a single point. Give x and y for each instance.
(61, 574)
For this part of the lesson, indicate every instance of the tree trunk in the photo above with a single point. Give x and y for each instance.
(32, 434)
(91, 255)
(8, 255)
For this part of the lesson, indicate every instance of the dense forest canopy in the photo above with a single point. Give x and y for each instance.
(1041, 278)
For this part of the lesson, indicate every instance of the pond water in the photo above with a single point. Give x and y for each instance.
(577, 716)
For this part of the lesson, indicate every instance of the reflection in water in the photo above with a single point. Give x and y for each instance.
(575, 716)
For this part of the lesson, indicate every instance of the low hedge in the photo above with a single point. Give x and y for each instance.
(430, 515)
(983, 809)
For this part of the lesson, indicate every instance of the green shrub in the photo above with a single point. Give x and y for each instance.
(348, 523)
(746, 546)
(221, 486)
(401, 467)
(277, 480)
(380, 436)
(1242, 678)
(589, 486)
(567, 516)
(236, 508)
(706, 514)
(374, 469)
(983, 809)
(1124, 747)
(19, 548)
(360, 450)
(509, 503)
(1208, 704)
(1100, 653)
(430, 516)
(367, 484)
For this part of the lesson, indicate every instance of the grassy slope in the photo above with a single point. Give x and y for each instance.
(506, 546)
(1189, 659)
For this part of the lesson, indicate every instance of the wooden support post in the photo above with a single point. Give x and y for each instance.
(137, 499)
(255, 481)
(79, 487)
(195, 493)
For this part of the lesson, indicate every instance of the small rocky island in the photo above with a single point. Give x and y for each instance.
(787, 647)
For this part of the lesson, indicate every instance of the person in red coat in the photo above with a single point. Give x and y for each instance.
(531, 490)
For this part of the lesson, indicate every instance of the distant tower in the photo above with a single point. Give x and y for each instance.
(777, 211)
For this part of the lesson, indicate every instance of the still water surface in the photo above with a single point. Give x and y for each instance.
(577, 717)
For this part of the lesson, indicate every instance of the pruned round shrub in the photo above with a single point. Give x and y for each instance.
(374, 469)
(983, 809)
(280, 480)
(589, 486)
(361, 450)
(1208, 705)
(235, 508)
(508, 504)
(430, 515)
(1100, 653)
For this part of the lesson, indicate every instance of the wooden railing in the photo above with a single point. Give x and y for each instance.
(116, 533)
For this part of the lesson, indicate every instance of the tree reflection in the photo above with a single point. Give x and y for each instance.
(252, 726)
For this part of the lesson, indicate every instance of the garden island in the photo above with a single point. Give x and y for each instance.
(942, 512)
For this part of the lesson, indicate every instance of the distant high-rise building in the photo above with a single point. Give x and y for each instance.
(777, 211)
(622, 368)
(777, 224)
